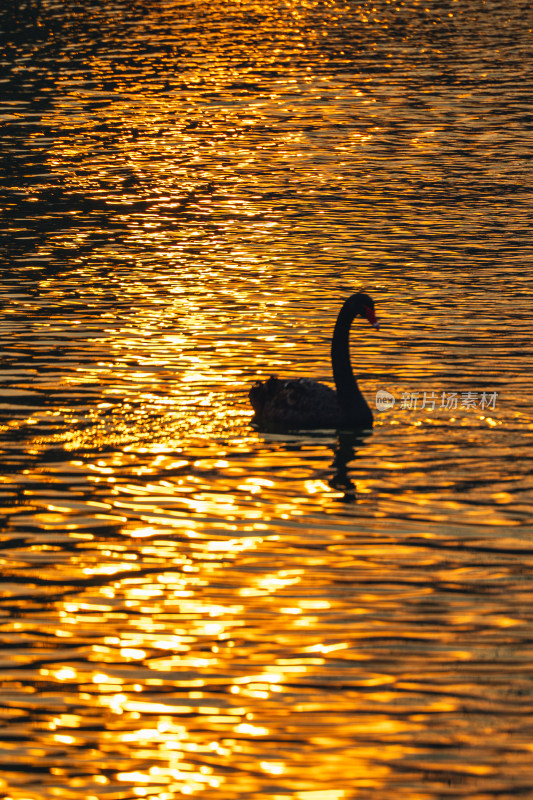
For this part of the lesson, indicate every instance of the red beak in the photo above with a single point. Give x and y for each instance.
(370, 314)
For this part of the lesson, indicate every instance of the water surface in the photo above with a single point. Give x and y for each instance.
(190, 606)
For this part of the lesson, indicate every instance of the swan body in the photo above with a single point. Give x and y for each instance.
(304, 403)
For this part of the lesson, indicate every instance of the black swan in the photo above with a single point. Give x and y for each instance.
(304, 403)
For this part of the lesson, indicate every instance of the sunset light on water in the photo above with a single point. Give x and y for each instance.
(196, 605)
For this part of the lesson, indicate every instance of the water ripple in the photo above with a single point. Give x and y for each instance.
(190, 605)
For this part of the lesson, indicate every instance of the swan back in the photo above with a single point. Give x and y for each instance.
(296, 404)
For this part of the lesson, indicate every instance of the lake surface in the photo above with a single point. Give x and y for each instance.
(191, 606)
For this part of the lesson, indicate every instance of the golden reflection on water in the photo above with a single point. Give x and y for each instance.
(193, 607)
(227, 642)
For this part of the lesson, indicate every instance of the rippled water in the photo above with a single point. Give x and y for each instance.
(190, 606)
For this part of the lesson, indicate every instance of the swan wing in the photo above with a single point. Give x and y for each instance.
(297, 404)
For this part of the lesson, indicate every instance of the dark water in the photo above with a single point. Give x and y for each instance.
(190, 606)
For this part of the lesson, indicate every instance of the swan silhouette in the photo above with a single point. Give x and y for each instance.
(304, 403)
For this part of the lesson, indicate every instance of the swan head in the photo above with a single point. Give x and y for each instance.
(362, 305)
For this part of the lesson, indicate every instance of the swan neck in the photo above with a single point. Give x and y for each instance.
(351, 400)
